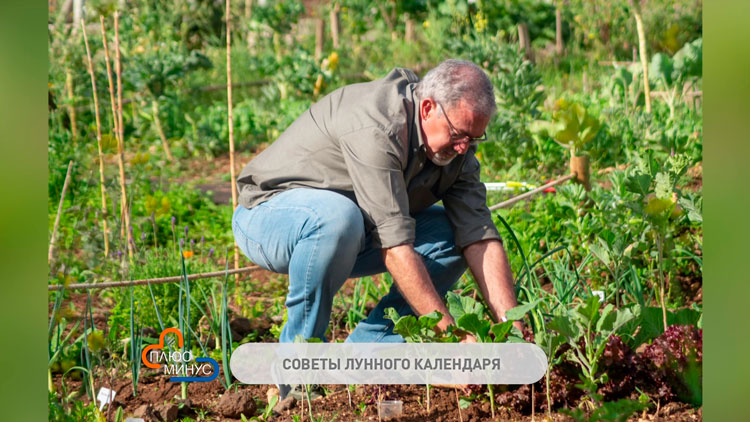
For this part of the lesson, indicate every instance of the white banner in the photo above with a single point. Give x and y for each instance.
(388, 363)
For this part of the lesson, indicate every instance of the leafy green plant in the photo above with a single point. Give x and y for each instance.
(572, 126)
(657, 202)
(586, 329)
(673, 73)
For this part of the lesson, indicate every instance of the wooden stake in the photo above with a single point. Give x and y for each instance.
(71, 103)
(531, 193)
(157, 123)
(320, 26)
(579, 165)
(558, 30)
(160, 280)
(120, 141)
(409, 34)
(52, 239)
(102, 187)
(232, 175)
(335, 24)
(524, 41)
(644, 53)
(113, 106)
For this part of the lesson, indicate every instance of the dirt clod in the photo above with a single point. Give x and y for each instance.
(145, 412)
(284, 405)
(232, 404)
(168, 412)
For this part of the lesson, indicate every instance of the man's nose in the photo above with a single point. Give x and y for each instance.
(461, 147)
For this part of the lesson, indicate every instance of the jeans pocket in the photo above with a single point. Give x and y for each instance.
(254, 251)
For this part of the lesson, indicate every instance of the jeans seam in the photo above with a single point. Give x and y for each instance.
(310, 265)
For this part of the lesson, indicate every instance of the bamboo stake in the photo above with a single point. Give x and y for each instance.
(558, 29)
(335, 24)
(113, 106)
(644, 53)
(120, 139)
(320, 26)
(160, 130)
(524, 41)
(231, 135)
(71, 105)
(98, 143)
(158, 280)
(409, 34)
(531, 193)
(52, 239)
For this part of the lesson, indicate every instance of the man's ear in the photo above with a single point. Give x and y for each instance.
(426, 107)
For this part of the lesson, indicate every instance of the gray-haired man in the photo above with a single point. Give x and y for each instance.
(349, 190)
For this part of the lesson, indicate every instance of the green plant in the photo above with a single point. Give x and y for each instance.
(656, 201)
(572, 126)
(586, 329)
(673, 73)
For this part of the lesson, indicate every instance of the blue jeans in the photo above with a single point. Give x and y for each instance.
(318, 238)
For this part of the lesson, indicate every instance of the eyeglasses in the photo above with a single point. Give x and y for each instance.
(456, 137)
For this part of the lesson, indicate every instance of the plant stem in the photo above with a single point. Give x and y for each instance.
(458, 404)
(660, 248)
(491, 392)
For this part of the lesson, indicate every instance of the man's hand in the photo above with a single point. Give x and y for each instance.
(413, 281)
(489, 264)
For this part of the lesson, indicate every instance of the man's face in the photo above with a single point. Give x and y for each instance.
(447, 133)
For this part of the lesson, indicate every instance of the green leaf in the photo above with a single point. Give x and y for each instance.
(588, 313)
(472, 324)
(408, 328)
(501, 331)
(663, 187)
(660, 69)
(565, 326)
(430, 320)
(518, 312)
(694, 209)
(638, 184)
(601, 251)
(460, 305)
(610, 322)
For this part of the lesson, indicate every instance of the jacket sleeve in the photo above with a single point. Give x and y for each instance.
(375, 160)
(466, 205)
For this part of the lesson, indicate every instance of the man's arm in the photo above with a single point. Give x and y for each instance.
(489, 264)
(413, 281)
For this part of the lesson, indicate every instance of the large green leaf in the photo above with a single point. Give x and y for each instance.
(660, 69)
(518, 312)
(501, 331)
(688, 61)
(694, 209)
(472, 324)
(565, 325)
(460, 305)
(638, 184)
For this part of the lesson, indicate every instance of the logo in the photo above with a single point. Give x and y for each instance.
(202, 369)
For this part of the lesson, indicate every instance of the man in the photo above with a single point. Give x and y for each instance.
(349, 189)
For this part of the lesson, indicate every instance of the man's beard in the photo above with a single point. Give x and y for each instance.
(443, 157)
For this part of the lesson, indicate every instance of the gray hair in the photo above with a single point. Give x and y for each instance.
(453, 81)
